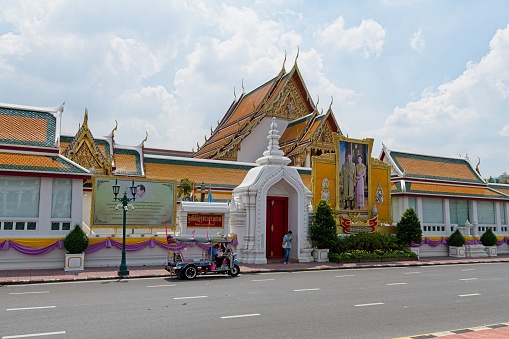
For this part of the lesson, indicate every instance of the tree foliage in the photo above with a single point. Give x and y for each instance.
(488, 238)
(456, 239)
(409, 228)
(76, 241)
(184, 189)
(323, 228)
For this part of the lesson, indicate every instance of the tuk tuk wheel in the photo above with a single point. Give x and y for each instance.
(190, 272)
(235, 270)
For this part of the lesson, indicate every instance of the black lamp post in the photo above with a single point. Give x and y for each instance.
(122, 270)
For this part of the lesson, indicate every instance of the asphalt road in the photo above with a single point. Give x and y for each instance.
(360, 303)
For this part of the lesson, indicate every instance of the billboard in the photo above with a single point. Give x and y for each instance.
(154, 204)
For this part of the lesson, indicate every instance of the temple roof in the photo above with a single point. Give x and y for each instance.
(29, 126)
(420, 166)
(428, 175)
(221, 176)
(285, 97)
(29, 143)
(54, 164)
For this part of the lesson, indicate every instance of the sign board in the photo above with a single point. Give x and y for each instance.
(154, 205)
(195, 220)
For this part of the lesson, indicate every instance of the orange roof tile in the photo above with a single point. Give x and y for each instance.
(125, 163)
(29, 160)
(434, 167)
(454, 190)
(21, 128)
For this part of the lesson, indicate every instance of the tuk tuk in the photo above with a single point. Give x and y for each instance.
(220, 260)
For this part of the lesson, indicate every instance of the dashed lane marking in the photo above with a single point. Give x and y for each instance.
(32, 335)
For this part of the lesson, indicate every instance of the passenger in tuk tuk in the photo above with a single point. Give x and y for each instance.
(214, 254)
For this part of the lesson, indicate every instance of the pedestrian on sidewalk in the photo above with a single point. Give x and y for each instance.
(287, 244)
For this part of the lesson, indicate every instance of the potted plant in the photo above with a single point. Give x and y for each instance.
(409, 230)
(489, 240)
(75, 243)
(323, 231)
(456, 244)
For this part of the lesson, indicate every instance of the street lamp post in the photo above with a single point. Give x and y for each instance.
(122, 270)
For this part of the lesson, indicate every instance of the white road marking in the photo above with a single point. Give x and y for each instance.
(29, 308)
(412, 273)
(346, 275)
(195, 297)
(372, 304)
(391, 284)
(307, 289)
(32, 335)
(263, 279)
(161, 286)
(28, 292)
(468, 269)
(241, 316)
(466, 279)
(469, 295)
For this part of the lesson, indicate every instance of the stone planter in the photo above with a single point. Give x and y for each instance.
(74, 262)
(456, 251)
(321, 254)
(491, 250)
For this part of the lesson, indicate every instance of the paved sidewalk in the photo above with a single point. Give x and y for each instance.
(9, 277)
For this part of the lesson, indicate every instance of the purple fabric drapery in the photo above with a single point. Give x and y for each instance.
(108, 243)
(475, 241)
(30, 250)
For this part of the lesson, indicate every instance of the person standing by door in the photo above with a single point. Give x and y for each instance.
(287, 242)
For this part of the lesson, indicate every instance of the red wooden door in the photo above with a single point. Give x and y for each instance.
(277, 225)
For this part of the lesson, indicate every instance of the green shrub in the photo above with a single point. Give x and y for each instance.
(489, 238)
(76, 241)
(409, 228)
(369, 242)
(358, 254)
(323, 228)
(456, 239)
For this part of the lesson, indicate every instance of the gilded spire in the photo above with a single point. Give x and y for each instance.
(85, 119)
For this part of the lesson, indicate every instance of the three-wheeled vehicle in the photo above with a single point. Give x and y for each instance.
(225, 262)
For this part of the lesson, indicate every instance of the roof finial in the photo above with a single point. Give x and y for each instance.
(297, 56)
(284, 61)
(143, 142)
(477, 166)
(318, 100)
(331, 101)
(243, 86)
(85, 119)
(234, 94)
(114, 129)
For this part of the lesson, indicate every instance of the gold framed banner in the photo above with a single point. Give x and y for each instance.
(154, 206)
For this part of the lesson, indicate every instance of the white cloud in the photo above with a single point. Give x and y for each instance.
(417, 42)
(368, 37)
(462, 114)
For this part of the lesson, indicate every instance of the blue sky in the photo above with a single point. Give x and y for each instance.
(429, 77)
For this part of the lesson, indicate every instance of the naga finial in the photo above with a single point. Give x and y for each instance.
(143, 142)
